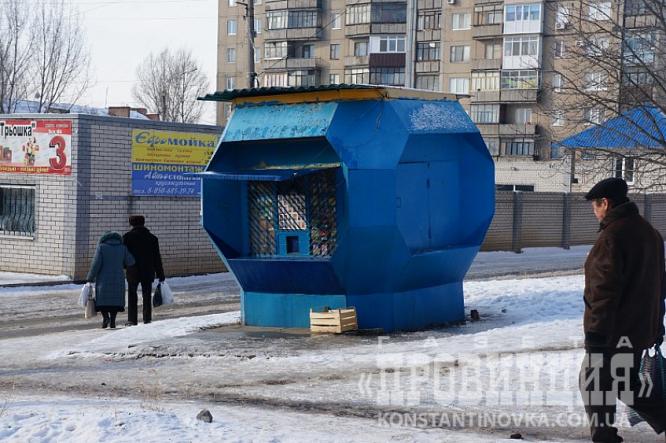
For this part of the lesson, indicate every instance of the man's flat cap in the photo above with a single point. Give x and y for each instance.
(137, 220)
(612, 188)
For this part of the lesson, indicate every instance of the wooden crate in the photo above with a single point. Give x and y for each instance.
(333, 321)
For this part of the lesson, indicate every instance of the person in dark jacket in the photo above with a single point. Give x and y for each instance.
(106, 271)
(145, 248)
(624, 310)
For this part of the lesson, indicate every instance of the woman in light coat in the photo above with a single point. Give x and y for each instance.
(106, 271)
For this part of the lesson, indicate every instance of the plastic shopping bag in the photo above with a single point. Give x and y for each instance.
(86, 291)
(167, 295)
(653, 367)
(157, 297)
(90, 308)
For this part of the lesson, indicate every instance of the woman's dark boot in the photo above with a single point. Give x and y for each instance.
(105, 320)
(113, 320)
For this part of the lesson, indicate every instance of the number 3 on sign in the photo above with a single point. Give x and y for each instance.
(60, 160)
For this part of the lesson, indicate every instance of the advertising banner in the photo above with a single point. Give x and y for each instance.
(161, 160)
(36, 146)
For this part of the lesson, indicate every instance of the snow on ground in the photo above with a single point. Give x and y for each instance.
(14, 278)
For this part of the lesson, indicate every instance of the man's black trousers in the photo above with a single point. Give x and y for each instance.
(132, 300)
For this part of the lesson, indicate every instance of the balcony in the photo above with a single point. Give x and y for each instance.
(388, 28)
(429, 4)
(507, 129)
(289, 63)
(486, 31)
(357, 61)
(313, 33)
(519, 95)
(427, 66)
(485, 96)
(485, 64)
(355, 30)
(292, 4)
(429, 35)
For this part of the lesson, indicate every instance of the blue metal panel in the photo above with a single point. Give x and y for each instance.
(444, 201)
(277, 121)
(412, 205)
(285, 310)
(274, 175)
(303, 242)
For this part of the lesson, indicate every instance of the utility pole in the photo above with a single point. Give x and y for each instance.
(251, 33)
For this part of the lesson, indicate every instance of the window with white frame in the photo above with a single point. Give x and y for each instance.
(231, 55)
(488, 15)
(427, 51)
(459, 54)
(357, 14)
(517, 147)
(307, 51)
(523, 13)
(335, 51)
(334, 79)
(361, 48)
(392, 43)
(231, 27)
(337, 21)
(558, 118)
(492, 50)
(521, 46)
(275, 79)
(485, 81)
(597, 46)
(625, 168)
(427, 82)
(640, 47)
(277, 19)
(563, 17)
(459, 85)
(461, 21)
(600, 10)
(428, 20)
(558, 82)
(485, 114)
(302, 19)
(594, 115)
(302, 78)
(229, 82)
(17, 211)
(523, 116)
(596, 81)
(519, 79)
(232, 3)
(560, 49)
(257, 26)
(275, 50)
(357, 75)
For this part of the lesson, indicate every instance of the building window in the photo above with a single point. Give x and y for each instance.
(17, 211)
(392, 43)
(229, 82)
(563, 17)
(302, 19)
(459, 54)
(596, 81)
(640, 47)
(624, 168)
(275, 50)
(636, 7)
(389, 12)
(275, 79)
(334, 79)
(521, 46)
(461, 21)
(593, 115)
(387, 76)
(485, 81)
(485, 114)
(599, 10)
(361, 48)
(597, 46)
(307, 51)
(558, 82)
(428, 20)
(302, 78)
(257, 26)
(231, 27)
(640, 77)
(231, 55)
(459, 85)
(427, 51)
(276, 19)
(357, 75)
(488, 15)
(493, 146)
(558, 118)
(523, 116)
(357, 14)
(523, 13)
(560, 49)
(515, 188)
(492, 51)
(337, 21)
(519, 80)
(427, 82)
(517, 147)
(232, 3)
(335, 51)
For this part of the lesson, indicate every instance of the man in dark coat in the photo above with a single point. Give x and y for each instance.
(145, 248)
(624, 310)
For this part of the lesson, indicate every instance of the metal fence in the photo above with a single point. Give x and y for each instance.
(540, 219)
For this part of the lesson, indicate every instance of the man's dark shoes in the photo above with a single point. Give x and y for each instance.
(113, 324)
(129, 323)
(105, 323)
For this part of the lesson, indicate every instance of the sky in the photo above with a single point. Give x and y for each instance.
(122, 33)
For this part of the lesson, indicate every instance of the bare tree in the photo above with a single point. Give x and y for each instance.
(16, 43)
(42, 54)
(170, 83)
(610, 63)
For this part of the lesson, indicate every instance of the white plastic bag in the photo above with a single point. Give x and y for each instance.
(86, 291)
(167, 295)
(90, 308)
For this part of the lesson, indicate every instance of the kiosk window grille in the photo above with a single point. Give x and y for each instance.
(262, 218)
(323, 229)
(17, 211)
(291, 206)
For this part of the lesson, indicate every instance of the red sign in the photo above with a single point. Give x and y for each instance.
(36, 146)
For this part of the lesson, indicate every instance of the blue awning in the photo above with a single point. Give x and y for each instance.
(271, 175)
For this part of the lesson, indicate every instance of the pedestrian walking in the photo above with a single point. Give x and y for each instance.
(624, 311)
(145, 248)
(106, 271)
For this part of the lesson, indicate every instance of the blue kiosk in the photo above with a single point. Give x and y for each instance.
(348, 195)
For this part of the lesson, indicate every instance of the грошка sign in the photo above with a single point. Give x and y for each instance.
(36, 147)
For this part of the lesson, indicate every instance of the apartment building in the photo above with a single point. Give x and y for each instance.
(501, 56)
